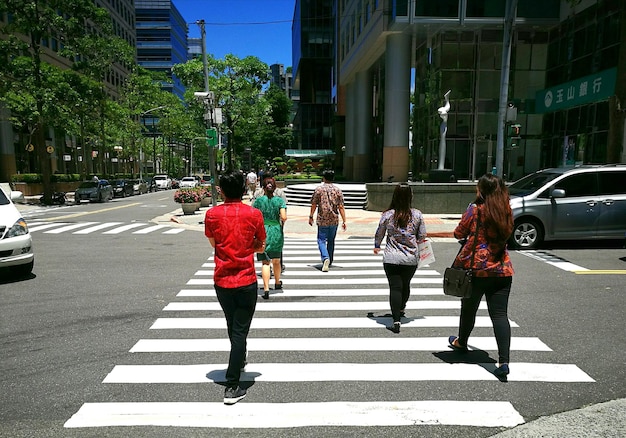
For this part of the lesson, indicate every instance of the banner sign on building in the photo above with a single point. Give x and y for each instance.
(593, 88)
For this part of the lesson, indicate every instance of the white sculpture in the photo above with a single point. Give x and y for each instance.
(443, 113)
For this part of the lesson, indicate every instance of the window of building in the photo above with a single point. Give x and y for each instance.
(440, 8)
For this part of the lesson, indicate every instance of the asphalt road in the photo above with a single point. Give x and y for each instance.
(93, 296)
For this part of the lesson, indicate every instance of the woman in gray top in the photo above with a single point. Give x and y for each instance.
(404, 227)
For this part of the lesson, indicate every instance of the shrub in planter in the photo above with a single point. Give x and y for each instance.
(184, 196)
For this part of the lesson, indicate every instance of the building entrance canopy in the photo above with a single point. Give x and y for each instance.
(309, 153)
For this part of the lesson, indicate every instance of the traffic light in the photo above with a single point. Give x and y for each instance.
(515, 131)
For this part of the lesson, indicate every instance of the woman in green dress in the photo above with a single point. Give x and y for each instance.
(274, 212)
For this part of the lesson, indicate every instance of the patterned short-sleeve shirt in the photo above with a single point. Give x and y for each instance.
(328, 198)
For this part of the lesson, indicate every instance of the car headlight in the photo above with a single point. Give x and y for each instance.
(19, 228)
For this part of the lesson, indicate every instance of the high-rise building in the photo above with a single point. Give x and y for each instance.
(564, 86)
(281, 78)
(161, 39)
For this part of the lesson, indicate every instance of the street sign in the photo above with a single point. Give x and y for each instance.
(211, 135)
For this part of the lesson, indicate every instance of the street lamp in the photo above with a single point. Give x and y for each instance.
(143, 116)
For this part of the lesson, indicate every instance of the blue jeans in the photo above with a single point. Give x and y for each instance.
(326, 241)
(238, 305)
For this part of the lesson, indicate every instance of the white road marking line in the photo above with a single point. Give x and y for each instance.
(69, 228)
(330, 344)
(326, 306)
(317, 323)
(347, 372)
(46, 226)
(150, 229)
(97, 227)
(289, 415)
(123, 228)
(336, 272)
(174, 231)
(551, 260)
(318, 279)
(334, 292)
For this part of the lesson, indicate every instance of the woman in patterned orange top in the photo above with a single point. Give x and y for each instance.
(492, 268)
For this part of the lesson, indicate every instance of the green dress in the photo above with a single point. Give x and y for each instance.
(270, 207)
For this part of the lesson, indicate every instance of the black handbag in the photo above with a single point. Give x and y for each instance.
(457, 282)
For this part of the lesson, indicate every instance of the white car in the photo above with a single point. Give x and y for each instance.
(163, 182)
(188, 181)
(16, 243)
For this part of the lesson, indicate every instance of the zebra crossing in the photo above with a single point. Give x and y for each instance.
(352, 299)
(105, 228)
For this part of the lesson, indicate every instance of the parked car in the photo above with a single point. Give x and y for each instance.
(139, 186)
(151, 183)
(16, 244)
(99, 191)
(163, 182)
(122, 188)
(189, 182)
(586, 202)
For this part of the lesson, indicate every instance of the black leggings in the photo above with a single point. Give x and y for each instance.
(496, 291)
(399, 277)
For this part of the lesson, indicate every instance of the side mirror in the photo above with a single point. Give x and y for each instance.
(558, 193)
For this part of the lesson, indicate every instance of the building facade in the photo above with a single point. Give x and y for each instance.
(395, 60)
(161, 39)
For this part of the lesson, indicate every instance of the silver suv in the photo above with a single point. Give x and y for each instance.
(586, 202)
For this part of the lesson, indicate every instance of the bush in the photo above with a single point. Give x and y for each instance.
(184, 196)
(26, 178)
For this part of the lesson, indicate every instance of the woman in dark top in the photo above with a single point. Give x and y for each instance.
(492, 268)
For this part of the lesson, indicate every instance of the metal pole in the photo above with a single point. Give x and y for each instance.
(509, 22)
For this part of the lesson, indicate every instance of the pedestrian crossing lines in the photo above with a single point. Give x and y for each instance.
(320, 330)
(106, 228)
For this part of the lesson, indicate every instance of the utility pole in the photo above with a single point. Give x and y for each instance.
(209, 120)
(509, 23)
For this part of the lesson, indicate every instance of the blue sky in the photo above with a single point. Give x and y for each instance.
(260, 28)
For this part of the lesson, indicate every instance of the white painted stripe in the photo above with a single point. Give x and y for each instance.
(320, 306)
(335, 272)
(97, 227)
(335, 292)
(150, 229)
(314, 264)
(317, 323)
(318, 279)
(46, 226)
(350, 372)
(337, 260)
(174, 231)
(330, 344)
(289, 415)
(315, 252)
(567, 266)
(123, 228)
(542, 257)
(69, 228)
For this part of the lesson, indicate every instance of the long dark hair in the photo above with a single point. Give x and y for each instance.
(401, 204)
(497, 217)
(269, 185)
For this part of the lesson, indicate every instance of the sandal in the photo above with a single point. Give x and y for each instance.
(457, 347)
(266, 295)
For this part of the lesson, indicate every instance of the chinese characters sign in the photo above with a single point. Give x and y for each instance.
(592, 88)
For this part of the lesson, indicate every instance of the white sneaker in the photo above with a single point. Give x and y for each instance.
(326, 265)
(233, 395)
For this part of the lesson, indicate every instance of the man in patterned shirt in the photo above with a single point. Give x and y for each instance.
(328, 201)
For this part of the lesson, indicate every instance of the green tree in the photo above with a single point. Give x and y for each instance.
(30, 87)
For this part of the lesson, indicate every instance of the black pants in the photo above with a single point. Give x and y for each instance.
(496, 291)
(238, 305)
(399, 278)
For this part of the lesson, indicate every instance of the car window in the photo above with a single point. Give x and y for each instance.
(612, 183)
(530, 183)
(582, 184)
(3, 199)
(88, 185)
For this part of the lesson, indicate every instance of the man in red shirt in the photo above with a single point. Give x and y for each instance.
(236, 232)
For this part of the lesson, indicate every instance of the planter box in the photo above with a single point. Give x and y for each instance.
(35, 189)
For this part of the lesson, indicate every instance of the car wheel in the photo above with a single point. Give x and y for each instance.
(527, 234)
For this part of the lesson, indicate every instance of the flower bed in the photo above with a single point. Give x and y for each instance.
(185, 196)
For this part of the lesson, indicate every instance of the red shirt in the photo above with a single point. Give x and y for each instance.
(234, 226)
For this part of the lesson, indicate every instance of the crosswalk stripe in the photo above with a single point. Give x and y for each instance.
(335, 292)
(174, 231)
(313, 264)
(150, 229)
(46, 226)
(317, 323)
(123, 228)
(321, 279)
(330, 344)
(69, 228)
(289, 415)
(334, 372)
(335, 272)
(320, 306)
(97, 227)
